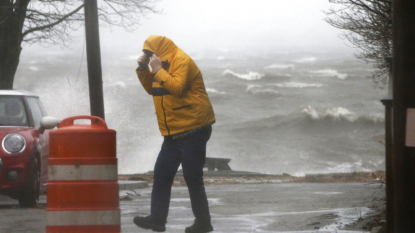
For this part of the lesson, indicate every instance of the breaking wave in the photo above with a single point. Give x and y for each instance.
(329, 73)
(214, 91)
(33, 68)
(340, 114)
(259, 89)
(272, 88)
(249, 76)
(306, 60)
(280, 66)
(333, 166)
(297, 85)
(118, 84)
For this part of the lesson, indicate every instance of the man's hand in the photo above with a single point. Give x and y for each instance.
(155, 63)
(143, 61)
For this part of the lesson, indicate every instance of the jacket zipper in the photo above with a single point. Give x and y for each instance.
(165, 119)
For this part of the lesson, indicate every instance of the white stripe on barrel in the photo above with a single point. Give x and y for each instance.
(82, 172)
(83, 218)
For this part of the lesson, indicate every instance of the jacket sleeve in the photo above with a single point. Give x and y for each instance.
(146, 79)
(177, 82)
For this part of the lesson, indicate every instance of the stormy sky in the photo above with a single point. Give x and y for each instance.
(227, 25)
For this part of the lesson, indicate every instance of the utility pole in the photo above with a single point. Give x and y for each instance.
(93, 54)
(389, 159)
(403, 98)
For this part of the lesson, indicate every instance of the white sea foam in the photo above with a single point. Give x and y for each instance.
(341, 217)
(264, 91)
(329, 73)
(347, 216)
(118, 84)
(251, 86)
(299, 174)
(214, 91)
(339, 113)
(33, 68)
(346, 167)
(297, 85)
(259, 89)
(335, 113)
(280, 66)
(249, 76)
(306, 60)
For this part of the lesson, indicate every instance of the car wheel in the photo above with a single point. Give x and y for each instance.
(30, 195)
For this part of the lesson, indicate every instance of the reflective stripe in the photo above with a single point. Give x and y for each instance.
(83, 218)
(159, 91)
(83, 172)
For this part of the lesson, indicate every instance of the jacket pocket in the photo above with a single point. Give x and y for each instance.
(181, 107)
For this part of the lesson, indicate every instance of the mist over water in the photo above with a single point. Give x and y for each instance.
(296, 113)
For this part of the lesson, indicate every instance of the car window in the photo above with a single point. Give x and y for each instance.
(12, 111)
(41, 107)
(35, 109)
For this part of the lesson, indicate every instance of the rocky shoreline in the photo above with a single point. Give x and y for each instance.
(236, 177)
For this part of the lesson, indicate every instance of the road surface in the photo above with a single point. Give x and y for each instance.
(235, 208)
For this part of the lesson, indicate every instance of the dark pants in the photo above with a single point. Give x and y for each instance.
(191, 153)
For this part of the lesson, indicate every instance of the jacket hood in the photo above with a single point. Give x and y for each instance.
(162, 46)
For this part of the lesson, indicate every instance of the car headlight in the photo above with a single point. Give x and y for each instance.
(14, 143)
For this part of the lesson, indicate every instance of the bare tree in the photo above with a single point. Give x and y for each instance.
(367, 25)
(53, 22)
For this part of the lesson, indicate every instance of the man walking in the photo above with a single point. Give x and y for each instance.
(185, 117)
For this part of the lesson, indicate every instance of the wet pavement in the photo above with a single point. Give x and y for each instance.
(235, 208)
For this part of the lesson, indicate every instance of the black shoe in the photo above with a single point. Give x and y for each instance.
(149, 223)
(200, 226)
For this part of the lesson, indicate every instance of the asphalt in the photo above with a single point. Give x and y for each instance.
(305, 208)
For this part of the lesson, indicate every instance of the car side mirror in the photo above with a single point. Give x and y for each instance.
(48, 122)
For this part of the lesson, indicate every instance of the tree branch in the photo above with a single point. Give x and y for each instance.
(54, 23)
(362, 4)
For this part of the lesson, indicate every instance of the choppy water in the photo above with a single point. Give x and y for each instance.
(292, 113)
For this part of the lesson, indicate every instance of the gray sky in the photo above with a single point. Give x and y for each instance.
(242, 25)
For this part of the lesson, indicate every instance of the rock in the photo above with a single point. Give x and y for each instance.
(126, 198)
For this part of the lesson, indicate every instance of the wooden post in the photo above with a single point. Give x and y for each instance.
(93, 53)
(403, 98)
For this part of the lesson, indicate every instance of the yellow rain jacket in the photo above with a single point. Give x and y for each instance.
(178, 90)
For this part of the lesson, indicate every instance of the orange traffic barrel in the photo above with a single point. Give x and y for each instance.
(82, 191)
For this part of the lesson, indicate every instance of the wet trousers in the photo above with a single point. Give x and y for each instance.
(191, 153)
